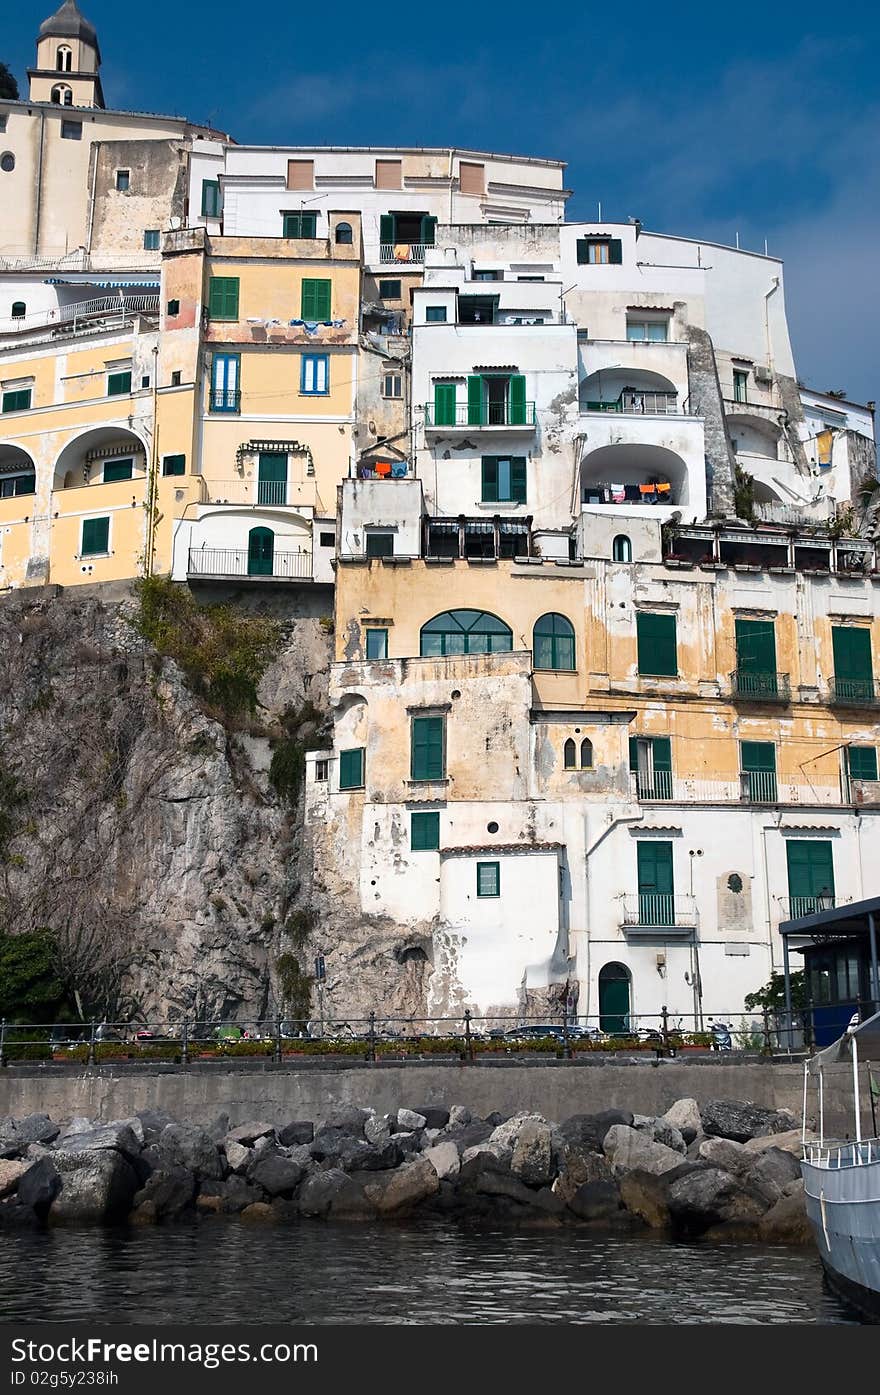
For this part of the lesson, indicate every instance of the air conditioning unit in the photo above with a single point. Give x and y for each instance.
(762, 374)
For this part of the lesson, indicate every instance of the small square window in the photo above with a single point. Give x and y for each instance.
(173, 307)
(392, 385)
(174, 465)
(17, 400)
(424, 831)
(435, 314)
(95, 537)
(145, 380)
(351, 769)
(119, 384)
(322, 770)
(379, 544)
(389, 290)
(377, 644)
(71, 130)
(151, 239)
(488, 879)
(123, 180)
(175, 378)
(327, 539)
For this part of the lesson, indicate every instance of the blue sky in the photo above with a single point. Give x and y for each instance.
(762, 119)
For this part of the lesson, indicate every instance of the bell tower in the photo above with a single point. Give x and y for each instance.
(68, 61)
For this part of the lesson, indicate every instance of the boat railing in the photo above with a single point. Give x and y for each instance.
(833, 1156)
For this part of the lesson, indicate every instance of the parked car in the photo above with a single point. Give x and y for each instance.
(536, 1032)
(105, 1033)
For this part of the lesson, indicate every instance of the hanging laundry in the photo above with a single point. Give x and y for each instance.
(618, 493)
(664, 488)
(401, 252)
(383, 468)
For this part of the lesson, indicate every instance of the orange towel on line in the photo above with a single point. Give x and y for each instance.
(383, 467)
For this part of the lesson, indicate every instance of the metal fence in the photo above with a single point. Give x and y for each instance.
(232, 561)
(467, 1038)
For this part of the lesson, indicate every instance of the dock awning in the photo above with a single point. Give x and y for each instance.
(867, 1038)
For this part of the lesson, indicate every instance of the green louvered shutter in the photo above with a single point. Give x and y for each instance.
(427, 748)
(759, 767)
(853, 668)
(656, 644)
(223, 298)
(475, 400)
(518, 479)
(444, 404)
(386, 228)
(615, 251)
(425, 831)
(810, 876)
(429, 224)
(517, 400)
(95, 536)
(351, 769)
(583, 255)
(656, 884)
(863, 762)
(490, 479)
(315, 300)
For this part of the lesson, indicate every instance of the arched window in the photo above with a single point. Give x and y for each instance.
(586, 754)
(553, 643)
(614, 998)
(62, 95)
(19, 309)
(64, 59)
(344, 235)
(569, 754)
(261, 551)
(465, 632)
(621, 549)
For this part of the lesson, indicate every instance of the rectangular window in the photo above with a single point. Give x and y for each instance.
(326, 539)
(740, 385)
(379, 544)
(71, 130)
(123, 180)
(225, 383)
(151, 239)
(654, 331)
(810, 876)
(300, 225)
(211, 198)
(300, 174)
(853, 666)
(3, 122)
(315, 304)
(758, 765)
(488, 878)
(351, 769)
(657, 647)
(863, 762)
(424, 831)
(119, 384)
(322, 769)
(392, 385)
(174, 465)
(427, 750)
(95, 537)
(145, 380)
(172, 308)
(116, 470)
(650, 760)
(435, 314)
(377, 644)
(471, 177)
(17, 400)
(390, 290)
(656, 884)
(223, 298)
(176, 378)
(389, 174)
(315, 375)
(504, 479)
(596, 251)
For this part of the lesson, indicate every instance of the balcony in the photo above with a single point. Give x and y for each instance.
(476, 539)
(658, 911)
(751, 787)
(854, 692)
(403, 253)
(228, 564)
(760, 687)
(511, 416)
(652, 784)
(84, 317)
(759, 787)
(795, 907)
(655, 492)
(638, 404)
(224, 400)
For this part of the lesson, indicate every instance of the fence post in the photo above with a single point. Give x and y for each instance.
(2, 1043)
(468, 1042)
(371, 1054)
(566, 1049)
(278, 1040)
(768, 1050)
(91, 1056)
(184, 1054)
(665, 1028)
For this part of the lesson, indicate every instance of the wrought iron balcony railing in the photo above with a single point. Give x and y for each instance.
(224, 400)
(760, 687)
(487, 414)
(402, 252)
(796, 907)
(652, 784)
(650, 910)
(855, 692)
(759, 787)
(231, 561)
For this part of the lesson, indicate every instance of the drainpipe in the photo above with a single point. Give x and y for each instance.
(624, 818)
(90, 228)
(150, 547)
(769, 342)
(39, 185)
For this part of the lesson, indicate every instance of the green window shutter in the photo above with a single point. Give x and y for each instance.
(517, 400)
(429, 225)
(615, 251)
(119, 384)
(488, 879)
(758, 756)
(95, 536)
(490, 479)
(315, 300)
(210, 198)
(583, 255)
(863, 762)
(633, 753)
(656, 644)
(475, 400)
(656, 883)
(662, 752)
(223, 298)
(174, 465)
(852, 653)
(427, 748)
(810, 874)
(755, 646)
(386, 228)
(424, 835)
(518, 479)
(116, 470)
(17, 400)
(351, 769)
(444, 404)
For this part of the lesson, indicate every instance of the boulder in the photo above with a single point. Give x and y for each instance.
(277, 1175)
(726, 1154)
(772, 1171)
(96, 1185)
(168, 1191)
(377, 1129)
(459, 1116)
(684, 1115)
(143, 1215)
(644, 1195)
(11, 1174)
(787, 1222)
(403, 1188)
(742, 1121)
(468, 1135)
(14, 1216)
(298, 1131)
(35, 1128)
(506, 1185)
(434, 1116)
(238, 1158)
(237, 1194)
(628, 1150)
(589, 1130)
(208, 1202)
(328, 1143)
(219, 1129)
(191, 1147)
(119, 1136)
(790, 1141)
(247, 1134)
(578, 1166)
(347, 1118)
(596, 1201)
(478, 1160)
(705, 1196)
(660, 1131)
(39, 1186)
(153, 1121)
(408, 1120)
(259, 1212)
(444, 1159)
(321, 1190)
(532, 1160)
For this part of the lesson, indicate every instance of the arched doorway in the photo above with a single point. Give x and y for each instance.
(261, 551)
(614, 998)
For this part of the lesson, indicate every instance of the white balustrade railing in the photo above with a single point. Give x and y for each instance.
(402, 252)
(121, 306)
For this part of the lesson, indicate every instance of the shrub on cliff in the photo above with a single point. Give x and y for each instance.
(30, 989)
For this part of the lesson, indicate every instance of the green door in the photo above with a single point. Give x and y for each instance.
(272, 480)
(444, 404)
(759, 768)
(656, 900)
(810, 876)
(261, 551)
(614, 1003)
(853, 670)
(756, 658)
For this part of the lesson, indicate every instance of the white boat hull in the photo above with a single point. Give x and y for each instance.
(843, 1204)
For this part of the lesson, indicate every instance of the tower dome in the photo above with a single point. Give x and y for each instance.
(69, 23)
(68, 60)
